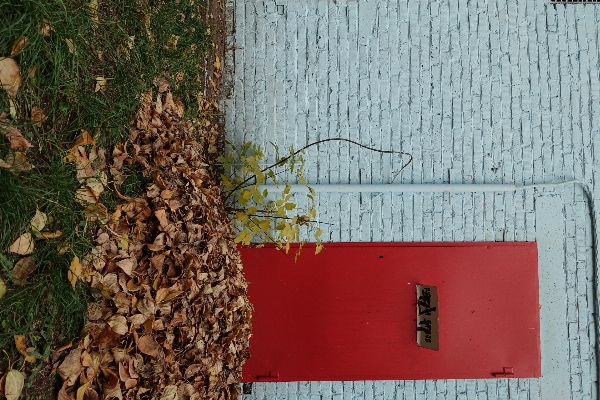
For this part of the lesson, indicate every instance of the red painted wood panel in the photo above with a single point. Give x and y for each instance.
(349, 313)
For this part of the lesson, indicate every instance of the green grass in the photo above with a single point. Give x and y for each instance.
(129, 44)
(46, 310)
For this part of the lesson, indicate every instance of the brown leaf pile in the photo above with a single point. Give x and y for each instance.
(174, 320)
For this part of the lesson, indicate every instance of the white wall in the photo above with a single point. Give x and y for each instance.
(479, 92)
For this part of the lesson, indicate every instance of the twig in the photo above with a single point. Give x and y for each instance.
(282, 161)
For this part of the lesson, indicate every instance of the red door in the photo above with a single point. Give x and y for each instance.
(350, 313)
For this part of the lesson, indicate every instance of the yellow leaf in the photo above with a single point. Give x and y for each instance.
(93, 7)
(23, 349)
(246, 194)
(241, 236)
(10, 76)
(13, 384)
(71, 46)
(240, 216)
(290, 206)
(265, 224)
(74, 271)
(100, 84)
(123, 241)
(318, 248)
(2, 288)
(38, 222)
(23, 245)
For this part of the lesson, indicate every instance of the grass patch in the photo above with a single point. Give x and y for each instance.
(84, 65)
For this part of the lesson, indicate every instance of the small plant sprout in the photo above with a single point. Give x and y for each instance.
(258, 216)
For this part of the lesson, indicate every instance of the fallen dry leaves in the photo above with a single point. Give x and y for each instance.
(15, 161)
(173, 320)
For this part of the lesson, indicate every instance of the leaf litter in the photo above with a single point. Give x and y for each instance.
(172, 318)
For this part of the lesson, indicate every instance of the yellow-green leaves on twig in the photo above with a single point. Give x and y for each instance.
(257, 215)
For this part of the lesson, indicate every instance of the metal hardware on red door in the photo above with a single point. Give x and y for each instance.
(508, 372)
(272, 377)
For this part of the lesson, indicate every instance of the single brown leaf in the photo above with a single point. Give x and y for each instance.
(37, 116)
(22, 269)
(127, 265)
(193, 370)
(23, 245)
(146, 307)
(14, 136)
(123, 372)
(161, 294)
(138, 319)
(10, 76)
(16, 162)
(130, 383)
(19, 45)
(71, 366)
(50, 235)
(82, 140)
(13, 384)
(85, 196)
(95, 186)
(113, 379)
(159, 243)
(64, 346)
(148, 345)
(82, 389)
(161, 215)
(118, 323)
(63, 394)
